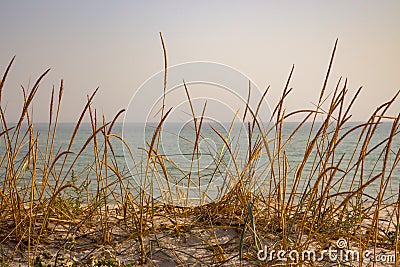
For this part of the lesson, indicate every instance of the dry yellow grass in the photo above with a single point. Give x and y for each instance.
(41, 221)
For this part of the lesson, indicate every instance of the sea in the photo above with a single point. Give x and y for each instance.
(198, 168)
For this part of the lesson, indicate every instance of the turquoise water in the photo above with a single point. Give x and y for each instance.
(212, 168)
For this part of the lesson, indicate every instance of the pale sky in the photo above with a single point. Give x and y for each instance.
(115, 45)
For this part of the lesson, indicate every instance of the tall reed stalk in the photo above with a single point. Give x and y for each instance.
(301, 205)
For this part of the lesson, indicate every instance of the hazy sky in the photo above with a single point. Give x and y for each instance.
(115, 45)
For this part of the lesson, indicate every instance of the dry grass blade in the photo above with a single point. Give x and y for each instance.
(286, 185)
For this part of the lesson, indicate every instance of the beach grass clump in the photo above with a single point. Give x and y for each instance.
(52, 214)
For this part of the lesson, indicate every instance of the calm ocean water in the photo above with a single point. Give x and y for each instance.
(176, 145)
